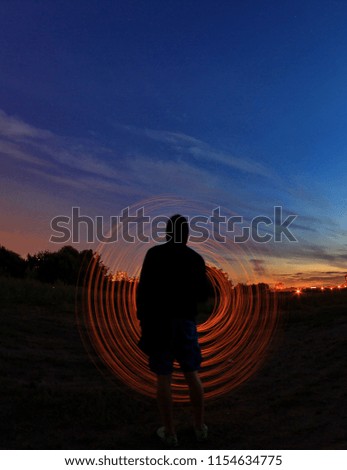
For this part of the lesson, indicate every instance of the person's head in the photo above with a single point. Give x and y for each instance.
(177, 229)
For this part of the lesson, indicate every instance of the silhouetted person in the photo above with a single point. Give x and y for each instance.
(173, 279)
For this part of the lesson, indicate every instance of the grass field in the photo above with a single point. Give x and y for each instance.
(53, 397)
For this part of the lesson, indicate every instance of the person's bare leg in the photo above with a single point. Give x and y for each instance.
(196, 393)
(164, 399)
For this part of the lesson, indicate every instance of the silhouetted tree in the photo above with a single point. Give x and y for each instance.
(263, 287)
(66, 265)
(11, 264)
(242, 288)
(86, 257)
(44, 266)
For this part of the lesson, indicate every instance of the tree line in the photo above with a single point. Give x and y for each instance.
(67, 265)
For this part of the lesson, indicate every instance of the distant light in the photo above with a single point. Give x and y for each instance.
(339, 287)
(322, 288)
(298, 291)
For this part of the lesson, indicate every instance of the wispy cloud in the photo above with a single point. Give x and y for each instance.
(306, 252)
(11, 150)
(86, 170)
(11, 126)
(87, 166)
(310, 278)
(75, 163)
(202, 151)
(258, 266)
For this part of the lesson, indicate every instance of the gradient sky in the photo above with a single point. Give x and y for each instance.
(239, 104)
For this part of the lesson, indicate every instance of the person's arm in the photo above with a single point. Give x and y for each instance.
(143, 288)
(203, 284)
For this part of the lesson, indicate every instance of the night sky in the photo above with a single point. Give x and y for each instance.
(238, 104)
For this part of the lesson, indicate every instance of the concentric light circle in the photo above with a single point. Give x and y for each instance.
(234, 338)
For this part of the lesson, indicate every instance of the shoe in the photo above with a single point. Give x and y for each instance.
(169, 440)
(201, 434)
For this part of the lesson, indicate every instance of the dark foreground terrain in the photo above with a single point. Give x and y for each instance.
(53, 397)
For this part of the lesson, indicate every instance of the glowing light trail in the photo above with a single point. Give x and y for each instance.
(234, 339)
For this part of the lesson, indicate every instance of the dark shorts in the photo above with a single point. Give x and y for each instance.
(183, 347)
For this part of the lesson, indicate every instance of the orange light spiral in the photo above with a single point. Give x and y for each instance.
(234, 339)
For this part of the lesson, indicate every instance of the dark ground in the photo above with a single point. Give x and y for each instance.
(53, 397)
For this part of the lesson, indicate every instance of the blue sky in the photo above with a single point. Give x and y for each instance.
(235, 104)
